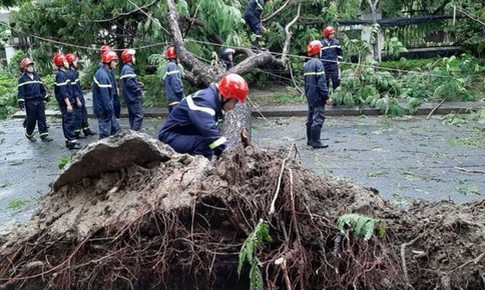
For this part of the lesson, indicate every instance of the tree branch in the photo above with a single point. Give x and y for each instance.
(204, 74)
(120, 14)
(277, 11)
(286, 46)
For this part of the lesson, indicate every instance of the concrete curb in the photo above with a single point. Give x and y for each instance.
(301, 110)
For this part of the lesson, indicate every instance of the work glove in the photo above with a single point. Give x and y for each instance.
(47, 98)
(142, 85)
(265, 30)
(21, 104)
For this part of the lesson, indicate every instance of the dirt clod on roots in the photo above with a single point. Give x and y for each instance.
(172, 221)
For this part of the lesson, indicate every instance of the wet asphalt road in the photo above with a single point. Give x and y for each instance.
(405, 158)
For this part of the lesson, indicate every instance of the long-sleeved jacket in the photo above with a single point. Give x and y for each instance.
(129, 85)
(173, 83)
(30, 88)
(103, 93)
(76, 88)
(315, 83)
(63, 88)
(255, 8)
(197, 114)
(331, 53)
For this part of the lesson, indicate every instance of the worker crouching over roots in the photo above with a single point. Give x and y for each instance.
(192, 125)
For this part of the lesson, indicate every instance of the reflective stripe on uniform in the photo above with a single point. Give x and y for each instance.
(43, 134)
(173, 103)
(170, 73)
(30, 82)
(128, 76)
(62, 84)
(218, 142)
(331, 46)
(194, 107)
(314, 73)
(101, 85)
(259, 5)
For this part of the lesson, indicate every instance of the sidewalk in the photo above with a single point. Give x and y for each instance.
(297, 110)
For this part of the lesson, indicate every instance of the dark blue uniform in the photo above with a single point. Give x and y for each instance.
(116, 98)
(32, 91)
(63, 91)
(253, 16)
(80, 113)
(331, 55)
(132, 94)
(173, 85)
(103, 93)
(192, 125)
(316, 93)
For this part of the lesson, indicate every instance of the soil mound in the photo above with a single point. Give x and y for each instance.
(129, 213)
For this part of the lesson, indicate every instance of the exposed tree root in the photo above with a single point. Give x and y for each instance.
(176, 226)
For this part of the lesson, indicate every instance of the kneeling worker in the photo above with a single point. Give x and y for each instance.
(192, 125)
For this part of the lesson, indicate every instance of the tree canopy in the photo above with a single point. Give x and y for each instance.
(206, 25)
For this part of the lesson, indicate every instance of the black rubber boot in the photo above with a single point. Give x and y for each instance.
(79, 136)
(308, 136)
(47, 139)
(72, 145)
(90, 132)
(316, 142)
(31, 138)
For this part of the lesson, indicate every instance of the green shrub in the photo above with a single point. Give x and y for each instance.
(8, 94)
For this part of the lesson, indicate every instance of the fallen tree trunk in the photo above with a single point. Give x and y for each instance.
(174, 223)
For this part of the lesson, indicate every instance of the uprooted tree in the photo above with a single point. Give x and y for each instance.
(155, 219)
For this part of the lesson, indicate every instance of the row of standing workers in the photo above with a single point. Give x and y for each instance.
(192, 124)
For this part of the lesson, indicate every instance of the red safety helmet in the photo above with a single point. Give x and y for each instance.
(108, 56)
(127, 55)
(314, 47)
(71, 57)
(170, 52)
(59, 59)
(105, 48)
(233, 86)
(328, 30)
(26, 62)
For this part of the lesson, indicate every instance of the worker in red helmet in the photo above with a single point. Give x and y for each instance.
(316, 93)
(116, 99)
(82, 124)
(67, 100)
(132, 92)
(32, 96)
(173, 79)
(104, 90)
(332, 54)
(192, 125)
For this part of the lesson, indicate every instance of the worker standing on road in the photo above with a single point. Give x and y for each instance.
(192, 125)
(316, 93)
(103, 93)
(32, 96)
(81, 112)
(66, 100)
(252, 16)
(332, 54)
(131, 90)
(116, 98)
(172, 79)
